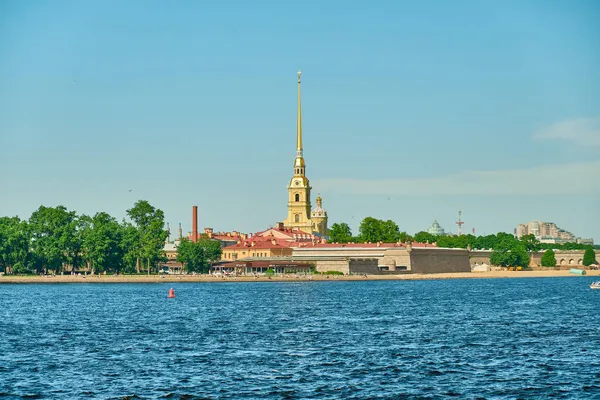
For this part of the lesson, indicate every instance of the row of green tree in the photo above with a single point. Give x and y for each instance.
(507, 250)
(55, 240)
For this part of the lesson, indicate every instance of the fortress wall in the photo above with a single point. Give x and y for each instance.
(333, 265)
(364, 266)
(396, 258)
(338, 251)
(567, 257)
(563, 257)
(479, 257)
(431, 261)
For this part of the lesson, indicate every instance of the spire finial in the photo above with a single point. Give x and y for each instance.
(299, 164)
(299, 128)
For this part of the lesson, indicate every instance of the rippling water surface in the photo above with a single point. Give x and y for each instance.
(478, 338)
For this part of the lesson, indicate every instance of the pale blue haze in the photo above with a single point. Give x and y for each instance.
(194, 102)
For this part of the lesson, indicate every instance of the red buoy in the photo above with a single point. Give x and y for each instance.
(171, 293)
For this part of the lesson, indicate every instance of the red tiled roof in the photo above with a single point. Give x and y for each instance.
(368, 245)
(263, 243)
(292, 235)
(225, 237)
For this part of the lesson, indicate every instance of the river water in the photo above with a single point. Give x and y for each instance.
(471, 338)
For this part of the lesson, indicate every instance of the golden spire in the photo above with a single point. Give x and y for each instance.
(299, 162)
(299, 129)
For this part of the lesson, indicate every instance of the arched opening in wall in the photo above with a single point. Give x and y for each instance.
(580, 261)
(571, 261)
(563, 261)
(297, 216)
(297, 198)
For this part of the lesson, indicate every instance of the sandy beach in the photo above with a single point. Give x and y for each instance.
(286, 278)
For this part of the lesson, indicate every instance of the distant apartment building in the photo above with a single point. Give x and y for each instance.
(548, 232)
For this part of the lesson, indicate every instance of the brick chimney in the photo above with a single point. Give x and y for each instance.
(194, 224)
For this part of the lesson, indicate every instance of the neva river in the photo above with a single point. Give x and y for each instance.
(472, 338)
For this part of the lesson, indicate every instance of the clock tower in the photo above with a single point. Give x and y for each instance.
(299, 206)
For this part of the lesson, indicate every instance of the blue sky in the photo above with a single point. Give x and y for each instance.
(411, 110)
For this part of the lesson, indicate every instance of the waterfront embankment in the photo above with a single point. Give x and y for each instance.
(281, 278)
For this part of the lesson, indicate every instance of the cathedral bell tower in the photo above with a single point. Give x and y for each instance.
(318, 217)
(299, 188)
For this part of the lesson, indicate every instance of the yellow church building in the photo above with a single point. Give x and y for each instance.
(300, 215)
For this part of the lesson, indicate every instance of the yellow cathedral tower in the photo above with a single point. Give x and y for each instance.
(299, 214)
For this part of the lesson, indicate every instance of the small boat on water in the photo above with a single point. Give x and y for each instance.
(595, 285)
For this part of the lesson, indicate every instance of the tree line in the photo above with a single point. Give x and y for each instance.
(507, 250)
(58, 240)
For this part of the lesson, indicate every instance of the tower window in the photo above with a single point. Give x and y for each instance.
(297, 198)
(297, 217)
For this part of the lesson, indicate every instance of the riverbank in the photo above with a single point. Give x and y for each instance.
(285, 278)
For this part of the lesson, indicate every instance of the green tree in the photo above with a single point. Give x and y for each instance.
(130, 245)
(450, 241)
(370, 230)
(192, 256)
(549, 259)
(486, 242)
(84, 228)
(424, 237)
(530, 242)
(589, 257)
(376, 230)
(404, 237)
(389, 231)
(340, 233)
(149, 222)
(212, 249)
(14, 245)
(509, 252)
(53, 233)
(103, 244)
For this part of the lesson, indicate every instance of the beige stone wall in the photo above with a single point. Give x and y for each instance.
(570, 258)
(419, 260)
(429, 261)
(400, 257)
(479, 257)
(333, 265)
(308, 251)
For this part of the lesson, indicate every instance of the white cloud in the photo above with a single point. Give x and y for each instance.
(583, 131)
(576, 179)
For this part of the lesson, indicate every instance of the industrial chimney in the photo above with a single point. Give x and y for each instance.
(195, 224)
